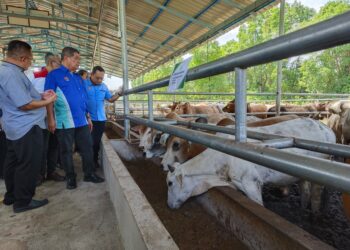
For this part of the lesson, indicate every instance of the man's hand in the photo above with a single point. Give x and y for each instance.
(120, 91)
(90, 124)
(51, 124)
(49, 96)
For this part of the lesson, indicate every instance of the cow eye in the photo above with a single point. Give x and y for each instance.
(176, 146)
(170, 183)
(157, 138)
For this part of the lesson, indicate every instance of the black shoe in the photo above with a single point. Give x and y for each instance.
(8, 202)
(93, 178)
(32, 205)
(71, 183)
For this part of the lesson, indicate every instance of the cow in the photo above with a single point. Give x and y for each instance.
(251, 108)
(188, 108)
(313, 107)
(212, 168)
(337, 106)
(339, 121)
(180, 150)
(334, 123)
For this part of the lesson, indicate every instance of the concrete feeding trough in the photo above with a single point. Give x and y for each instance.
(140, 226)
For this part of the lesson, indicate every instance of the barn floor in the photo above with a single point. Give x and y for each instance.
(74, 219)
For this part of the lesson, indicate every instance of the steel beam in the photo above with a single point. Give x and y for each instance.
(122, 24)
(180, 14)
(234, 4)
(134, 20)
(241, 105)
(150, 105)
(97, 33)
(279, 64)
(48, 18)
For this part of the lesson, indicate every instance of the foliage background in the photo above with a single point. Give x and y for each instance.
(321, 72)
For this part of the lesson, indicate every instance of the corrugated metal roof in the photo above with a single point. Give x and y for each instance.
(157, 30)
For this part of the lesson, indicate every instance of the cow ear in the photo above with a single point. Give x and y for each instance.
(164, 139)
(179, 179)
(201, 120)
(139, 129)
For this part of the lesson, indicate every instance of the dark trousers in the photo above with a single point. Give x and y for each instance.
(50, 154)
(22, 166)
(82, 138)
(97, 132)
(2, 153)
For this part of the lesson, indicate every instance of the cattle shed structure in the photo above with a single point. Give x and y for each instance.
(157, 31)
(129, 38)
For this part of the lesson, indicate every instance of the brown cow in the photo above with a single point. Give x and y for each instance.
(251, 108)
(201, 108)
(312, 107)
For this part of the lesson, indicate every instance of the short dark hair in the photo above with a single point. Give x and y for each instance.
(17, 48)
(69, 52)
(97, 68)
(47, 57)
(81, 72)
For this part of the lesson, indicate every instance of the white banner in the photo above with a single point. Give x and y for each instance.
(178, 76)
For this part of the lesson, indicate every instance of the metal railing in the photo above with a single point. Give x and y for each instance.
(327, 34)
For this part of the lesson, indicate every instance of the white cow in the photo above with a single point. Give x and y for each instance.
(213, 168)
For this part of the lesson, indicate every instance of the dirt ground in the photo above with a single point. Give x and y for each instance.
(74, 219)
(331, 225)
(190, 226)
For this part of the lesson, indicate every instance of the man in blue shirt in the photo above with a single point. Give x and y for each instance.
(97, 93)
(69, 117)
(22, 120)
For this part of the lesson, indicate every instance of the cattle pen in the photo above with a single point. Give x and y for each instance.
(112, 34)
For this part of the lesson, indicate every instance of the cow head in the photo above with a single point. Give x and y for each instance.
(180, 150)
(230, 107)
(156, 144)
(181, 186)
(144, 133)
(174, 106)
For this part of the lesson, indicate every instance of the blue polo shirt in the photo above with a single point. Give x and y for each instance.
(16, 91)
(71, 104)
(97, 94)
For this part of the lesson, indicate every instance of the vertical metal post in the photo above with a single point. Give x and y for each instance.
(279, 64)
(241, 105)
(125, 66)
(150, 105)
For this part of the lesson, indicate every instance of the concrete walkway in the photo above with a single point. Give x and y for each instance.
(74, 219)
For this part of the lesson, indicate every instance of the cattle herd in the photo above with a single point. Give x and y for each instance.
(193, 168)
